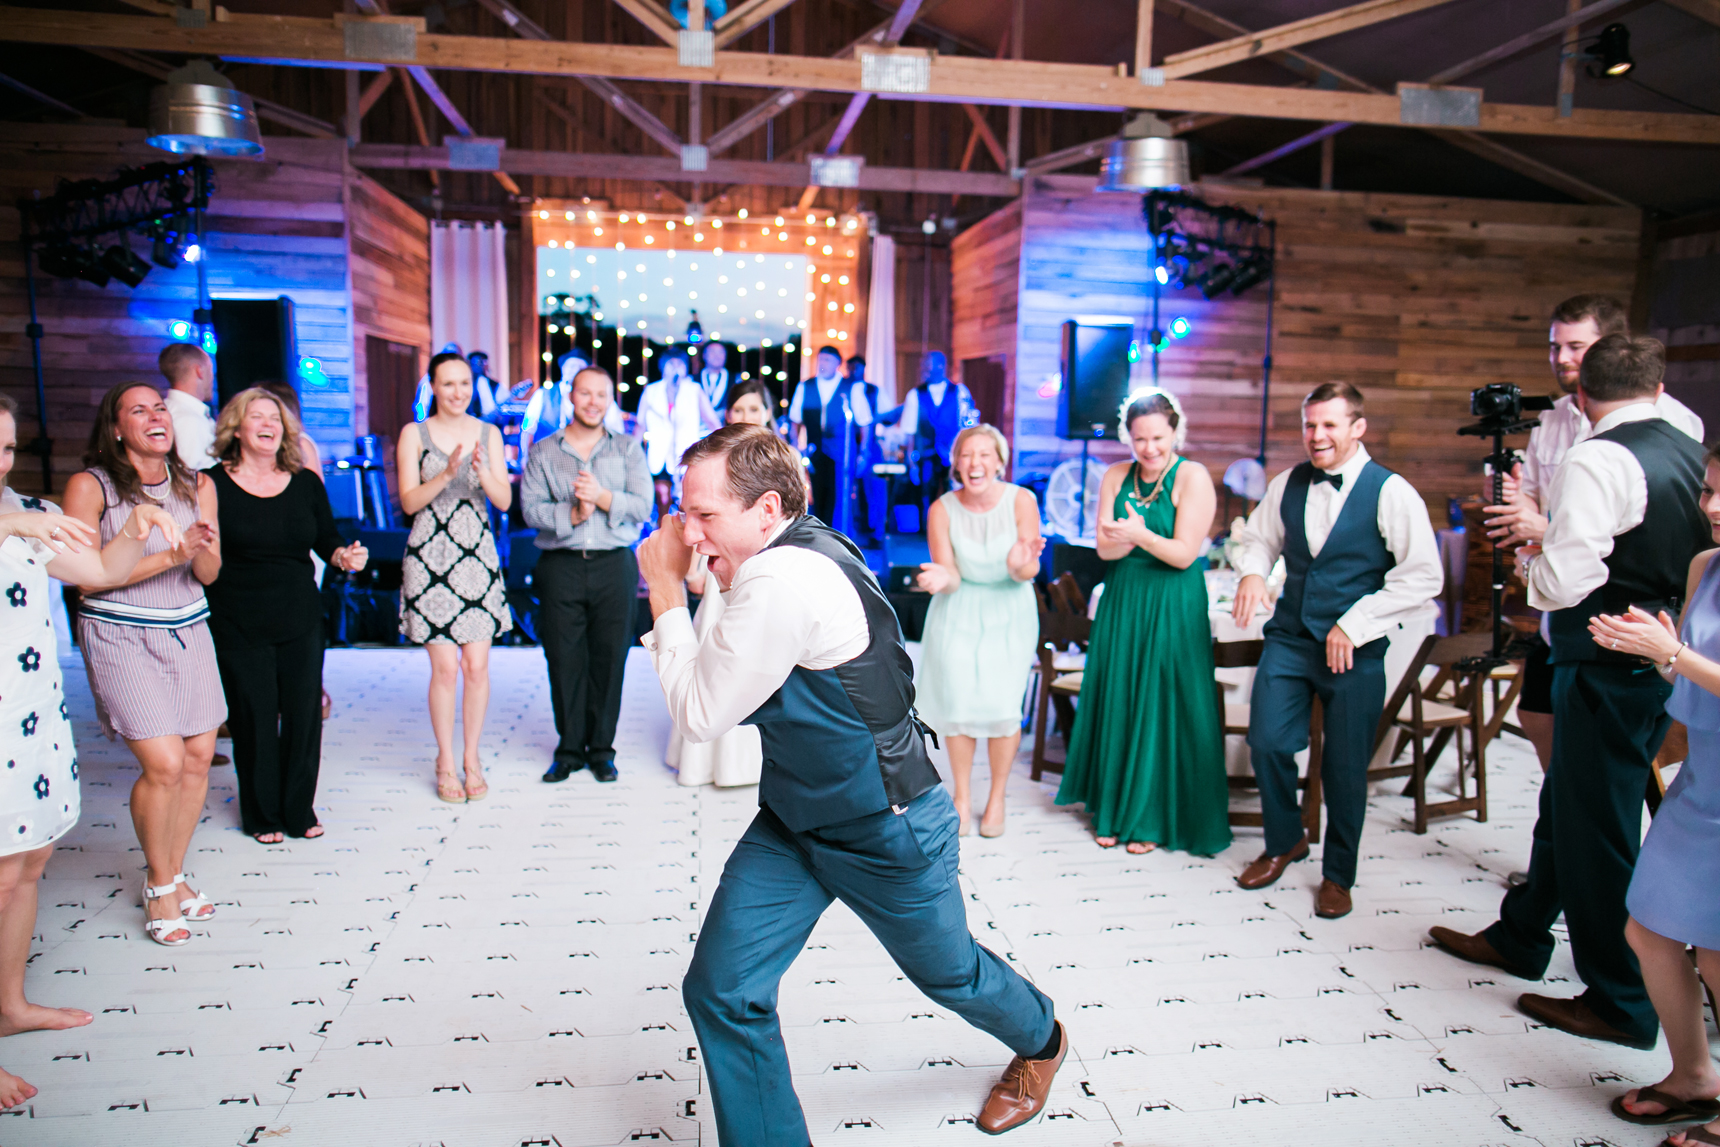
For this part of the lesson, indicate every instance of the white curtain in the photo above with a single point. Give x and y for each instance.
(469, 292)
(881, 320)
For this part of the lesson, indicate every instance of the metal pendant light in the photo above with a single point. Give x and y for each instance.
(199, 112)
(1145, 158)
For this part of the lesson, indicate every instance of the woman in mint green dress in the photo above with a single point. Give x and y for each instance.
(1146, 755)
(983, 623)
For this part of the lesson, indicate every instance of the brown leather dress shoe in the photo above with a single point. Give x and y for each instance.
(1332, 901)
(1475, 949)
(1576, 1017)
(1021, 1093)
(1266, 869)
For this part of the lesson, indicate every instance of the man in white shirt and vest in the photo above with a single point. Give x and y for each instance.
(809, 651)
(714, 377)
(1624, 528)
(1362, 559)
(190, 374)
(1578, 323)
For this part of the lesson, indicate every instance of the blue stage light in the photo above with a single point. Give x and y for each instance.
(209, 342)
(1162, 275)
(311, 370)
(180, 329)
(1179, 328)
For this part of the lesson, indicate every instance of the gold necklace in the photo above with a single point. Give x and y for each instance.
(1158, 486)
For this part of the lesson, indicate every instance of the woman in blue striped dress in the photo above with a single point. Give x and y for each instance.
(146, 645)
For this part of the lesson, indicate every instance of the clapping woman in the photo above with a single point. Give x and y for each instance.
(146, 644)
(39, 792)
(266, 614)
(977, 648)
(1671, 899)
(453, 600)
(1146, 755)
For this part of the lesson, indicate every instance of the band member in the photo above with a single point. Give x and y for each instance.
(823, 414)
(931, 416)
(714, 377)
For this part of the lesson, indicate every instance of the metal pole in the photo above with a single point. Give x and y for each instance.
(1266, 359)
(1153, 336)
(43, 445)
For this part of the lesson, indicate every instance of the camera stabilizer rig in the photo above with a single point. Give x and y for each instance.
(1500, 406)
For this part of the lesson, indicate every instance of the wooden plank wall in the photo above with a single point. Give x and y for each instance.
(276, 227)
(1416, 300)
(985, 283)
(923, 307)
(389, 247)
(1684, 312)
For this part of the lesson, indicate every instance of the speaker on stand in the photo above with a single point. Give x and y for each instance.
(1096, 358)
(254, 342)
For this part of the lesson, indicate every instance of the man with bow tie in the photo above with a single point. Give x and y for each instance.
(1361, 559)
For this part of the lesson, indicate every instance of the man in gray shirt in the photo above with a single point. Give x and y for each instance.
(586, 490)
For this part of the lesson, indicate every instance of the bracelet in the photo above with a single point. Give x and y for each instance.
(1673, 660)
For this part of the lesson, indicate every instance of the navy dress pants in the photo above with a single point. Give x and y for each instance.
(898, 874)
(1292, 673)
(1608, 722)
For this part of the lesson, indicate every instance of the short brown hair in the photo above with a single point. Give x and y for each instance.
(1619, 367)
(1609, 315)
(179, 358)
(758, 460)
(1327, 391)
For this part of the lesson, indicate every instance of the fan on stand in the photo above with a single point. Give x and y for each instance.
(1071, 505)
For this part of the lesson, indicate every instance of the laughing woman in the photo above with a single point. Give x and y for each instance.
(266, 613)
(146, 644)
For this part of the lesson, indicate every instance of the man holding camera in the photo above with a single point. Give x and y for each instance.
(1578, 323)
(1623, 529)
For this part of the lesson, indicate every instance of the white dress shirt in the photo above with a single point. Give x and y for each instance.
(787, 606)
(1564, 426)
(715, 384)
(672, 427)
(909, 421)
(1598, 493)
(1410, 586)
(862, 410)
(193, 428)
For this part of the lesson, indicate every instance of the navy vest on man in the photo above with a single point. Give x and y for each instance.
(822, 423)
(1649, 564)
(1352, 564)
(939, 422)
(844, 743)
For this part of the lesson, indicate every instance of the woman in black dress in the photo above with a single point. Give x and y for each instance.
(266, 614)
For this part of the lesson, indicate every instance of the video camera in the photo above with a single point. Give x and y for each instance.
(1501, 408)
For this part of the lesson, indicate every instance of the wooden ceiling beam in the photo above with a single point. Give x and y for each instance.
(1526, 41)
(954, 79)
(1255, 44)
(655, 17)
(266, 109)
(653, 168)
(579, 123)
(743, 18)
(373, 92)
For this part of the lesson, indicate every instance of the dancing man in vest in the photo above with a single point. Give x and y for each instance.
(809, 651)
(1362, 559)
(824, 412)
(1623, 529)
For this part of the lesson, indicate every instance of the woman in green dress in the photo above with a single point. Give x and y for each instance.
(1147, 754)
(977, 647)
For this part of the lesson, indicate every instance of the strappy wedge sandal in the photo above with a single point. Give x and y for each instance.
(194, 907)
(161, 930)
(449, 788)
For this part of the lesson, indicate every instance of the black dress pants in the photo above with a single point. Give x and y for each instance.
(274, 711)
(1608, 722)
(585, 622)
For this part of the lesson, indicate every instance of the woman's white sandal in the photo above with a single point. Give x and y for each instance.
(192, 907)
(159, 930)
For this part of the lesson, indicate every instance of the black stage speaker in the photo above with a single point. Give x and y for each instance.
(254, 342)
(1095, 378)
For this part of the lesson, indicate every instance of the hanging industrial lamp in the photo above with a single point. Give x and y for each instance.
(199, 112)
(1611, 52)
(1145, 158)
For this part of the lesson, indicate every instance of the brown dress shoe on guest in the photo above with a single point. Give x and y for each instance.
(1475, 949)
(1576, 1017)
(1267, 868)
(1021, 1093)
(1332, 901)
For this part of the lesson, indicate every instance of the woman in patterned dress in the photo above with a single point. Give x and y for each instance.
(39, 786)
(146, 644)
(453, 600)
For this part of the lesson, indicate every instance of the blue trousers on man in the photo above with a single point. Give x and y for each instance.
(898, 874)
(1292, 673)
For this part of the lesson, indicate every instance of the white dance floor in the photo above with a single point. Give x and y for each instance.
(508, 973)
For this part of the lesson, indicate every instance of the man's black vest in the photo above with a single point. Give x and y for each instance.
(843, 743)
(1650, 564)
(1351, 564)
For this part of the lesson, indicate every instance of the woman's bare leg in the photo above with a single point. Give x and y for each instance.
(1676, 992)
(475, 666)
(199, 752)
(1002, 751)
(155, 805)
(961, 772)
(20, 880)
(444, 685)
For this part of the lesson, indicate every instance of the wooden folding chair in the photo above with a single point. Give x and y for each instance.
(1444, 721)
(1233, 720)
(1062, 622)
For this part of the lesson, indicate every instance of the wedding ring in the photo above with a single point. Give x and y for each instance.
(55, 532)
(1615, 645)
